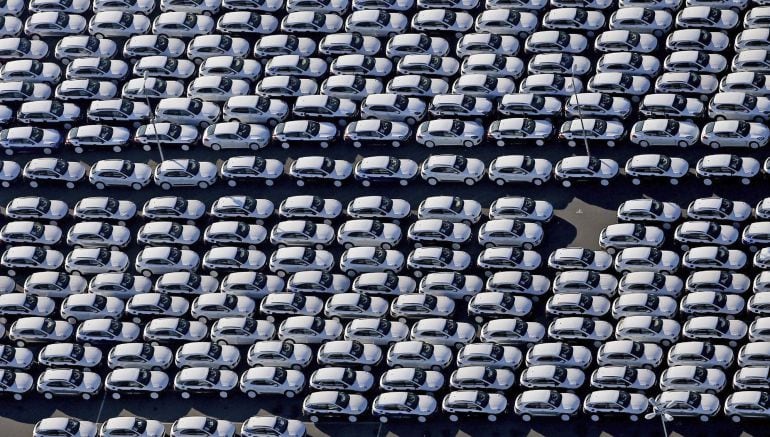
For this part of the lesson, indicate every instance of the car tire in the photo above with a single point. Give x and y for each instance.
(594, 417)
(223, 394)
(665, 343)
(674, 181)
(470, 182)
(300, 183)
(366, 183)
(745, 181)
(432, 181)
(165, 186)
(289, 394)
(76, 273)
(403, 182)
(269, 182)
(72, 320)
(636, 181)
(48, 395)
(610, 143)
(604, 182)
(116, 396)
(203, 125)
(453, 418)
(145, 273)
(350, 273)
(86, 396)
(314, 419)
(526, 417)
(136, 186)
(78, 150)
(232, 183)
(5, 184)
(565, 417)
(352, 419)
(285, 146)
(468, 144)
(280, 273)
(203, 185)
(703, 418)
(735, 418)
(17, 396)
(357, 144)
(492, 418)
(566, 184)
(430, 144)
(70, 185)
(33, 184)
(185, 395)
(185, 147)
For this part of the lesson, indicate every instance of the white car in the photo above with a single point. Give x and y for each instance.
(296, 259)
(214, 306)
(284, 354)
(117, 24)
(717, 281)
(182, 24)
(625, 40)
(450, 208)
(418, 354)
(706, 17)
(644, 304)
(716, 328)
(688, 404)
(349, 353)
(624, 235)
(585, 168)
(235, 232)
(184, 173)
(442, 20)
(696, 61)
(453, 285)
(649, 210)
(451, 168)
(630, 353)
(167, 232)
(42, 170)
(449, 132)
(234, 135)
(544, 402)
(79, 307)
(308, 169)
(187, 110)
(164, 259)
(512, 331)
(334, 403)
(119, 172)
(272, 380)
(517, 282)
(648, 329)
(443, 331)
(121, 285)
(241, 331)
(642, 19)
(646, 259)
(162, 66)
(247, 22)
(350, 43)
(383, 283)
(437, 231)
(376, 23)
(585, 281)
(30, 232)
(734, 133)
(69, 382)
(311, 22)
(602, 403)
(173, 208)
(69, 354)
(232, 258)
(739, 106)
(664, 132)
(301, 233)
(700, 353)
(714, 257)
(577, 304)
(519, 168)
(310, 207)
(703, 232)
(309, 330)
(474, 403)
(204, 380)
(412, 379)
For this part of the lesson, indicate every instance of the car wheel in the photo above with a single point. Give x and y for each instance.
(284, 145)
(735, 418)
(269, 182)
(366, 183)
(492, 418)
(324, 144)
(5, 184)
(33, 184)
(165, 186)
(352, 419)
(565, 417)
(453, 418)
(203, 185)
(136, 186)
(72, 320)
(468, 144)
(459, 345)
(78, 150)
(17, 396)
(77, 273)
(666, 343)
(431, 181)
(674, 181)
(185, 395)
(594, 417)
(470, 182)
(203, 320)
(610, 143)
(758, 119)
(430, 144)
(146, 147)
(704, 418)
(232, 183)
(296, 367)
(116, 396)
(86, 396)
(9, 152)
(281, 273)
(48, 395)
(604, 182)
(571, 143)
(300, 183)
(70, 185)
(526, 417)
(203, 124)
(146, 273)
(251, 394)
(745, 181)
(566, 184)
(636, 181)
(351, 273)
(314, 419)
(223, 394)
(252, 146)
(357, 144)
(184, 147)
(289, 394)
(403, 182)
(222, 342)
(348, 246)
(117, 149)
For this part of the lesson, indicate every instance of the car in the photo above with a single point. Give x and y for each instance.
(442, 20)
(443, 331)
(349, 353)
(272, 380)
(705, 232)
(353, 86)
(706, 17)
(106, 330)
(585, 168)
(696, 61)
(376, 23)
(718, 281)
(684, 403)
(349, 43)
(163, 66)
(411, 379)
(259, 425)
(185, 172)
(182, 24)
(292, 304)
(717, 257)
(750, 82)
(311, 22)
(173, 208)
(640, 259)
(42, 170)
(334, 403)
(29, 139)
(669, 105)
(247, 22)
(649, 210)
(117, 426)
(664, 132)
(69, 382)
(437, 231)
(205, 46)
(204, 425)
(419, 354)
(715, 327)
(624, 235)
(117, 24)
(122, 110)
(630, 353)
(31, 70)
(634, 304)
(577, 304)
(544, 402)
(317, 281)
(585, 281)
(473, 403)
(451, 168)
(734, 133)
(204, 380)
(648, 329)
(739, 106)
(607, 131)
(309, 329)
(165, 259)
(284, 354)
(450, 208)
(80, 307)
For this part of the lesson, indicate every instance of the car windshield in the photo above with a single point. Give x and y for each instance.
(147, 351)
(460, 163)
(594, 164)
(60, 167)
(426, 350)
(72, 427)
(664, 162)
(212, 376)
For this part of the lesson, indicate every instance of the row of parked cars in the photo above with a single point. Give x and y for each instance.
(445, 168)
